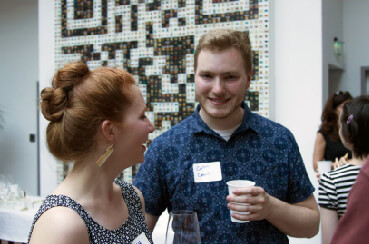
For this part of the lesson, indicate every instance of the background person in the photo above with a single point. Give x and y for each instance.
(228, 142)
(97, 120)
(334, 186)
(328, 145)
(353, 226)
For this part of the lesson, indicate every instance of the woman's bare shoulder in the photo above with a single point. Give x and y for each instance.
(60, 225)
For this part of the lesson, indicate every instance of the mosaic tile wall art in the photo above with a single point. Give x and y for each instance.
(155, 41)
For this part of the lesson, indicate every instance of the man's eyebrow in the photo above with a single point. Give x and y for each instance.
(204, 71)
(225, 73)
(230, 72)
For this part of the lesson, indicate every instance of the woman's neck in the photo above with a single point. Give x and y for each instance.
(87, 181)
(357, 160)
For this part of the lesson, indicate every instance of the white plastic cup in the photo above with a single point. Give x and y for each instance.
(234, 184)
(324, 166)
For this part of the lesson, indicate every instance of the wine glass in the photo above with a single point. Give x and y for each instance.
(183, 228)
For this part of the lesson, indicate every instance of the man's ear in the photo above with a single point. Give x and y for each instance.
(107, 130)
(249, 79)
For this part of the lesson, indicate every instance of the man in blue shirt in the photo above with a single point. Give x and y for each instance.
(187, 167)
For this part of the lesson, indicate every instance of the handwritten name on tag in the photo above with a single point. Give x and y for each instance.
(141, 239)
(207, 172)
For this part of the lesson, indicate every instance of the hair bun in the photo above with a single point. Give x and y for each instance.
(54, 102)
(55, 99)
(70, 75)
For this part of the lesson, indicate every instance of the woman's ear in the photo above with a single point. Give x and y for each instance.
(107, 130)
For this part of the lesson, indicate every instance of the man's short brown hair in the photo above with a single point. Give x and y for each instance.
(221, 39)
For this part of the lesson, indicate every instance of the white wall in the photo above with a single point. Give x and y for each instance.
(347, 20)
(297, 75)
(332, 26)
(46, 72)
(356, 42)
(18, 77)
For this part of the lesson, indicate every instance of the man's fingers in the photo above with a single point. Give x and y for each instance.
(253, 190)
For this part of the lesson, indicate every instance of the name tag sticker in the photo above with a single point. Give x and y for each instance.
(207, 172)
(141, 239)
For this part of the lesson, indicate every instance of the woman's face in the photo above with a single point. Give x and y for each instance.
(134, 131)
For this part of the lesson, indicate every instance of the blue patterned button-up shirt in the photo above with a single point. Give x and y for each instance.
(259, 150)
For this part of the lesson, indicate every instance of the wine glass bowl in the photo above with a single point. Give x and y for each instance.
(183, 228)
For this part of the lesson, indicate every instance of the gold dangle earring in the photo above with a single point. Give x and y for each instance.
(105, 156)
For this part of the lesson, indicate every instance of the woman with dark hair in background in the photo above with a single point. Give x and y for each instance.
(354, 133)
(334, 186)
(328, 145)
(97, 120)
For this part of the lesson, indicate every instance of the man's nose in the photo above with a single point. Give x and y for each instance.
(218, 87)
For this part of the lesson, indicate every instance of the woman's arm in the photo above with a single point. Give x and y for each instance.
(329, 220)
(319, 149)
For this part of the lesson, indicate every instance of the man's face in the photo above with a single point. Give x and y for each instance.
(220, 82)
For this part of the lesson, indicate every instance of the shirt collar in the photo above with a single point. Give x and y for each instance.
(249, 121)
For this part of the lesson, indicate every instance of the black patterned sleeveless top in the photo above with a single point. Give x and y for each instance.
(334, 149)
(128, 232)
